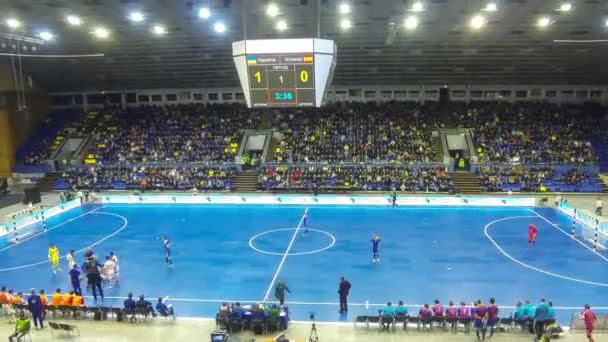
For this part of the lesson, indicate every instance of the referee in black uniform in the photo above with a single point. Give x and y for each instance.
(343, 290)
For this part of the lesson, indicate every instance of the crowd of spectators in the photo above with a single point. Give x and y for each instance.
(147, 178)
(534, 179)
(529, 132)
(175, 133)
(356, 178)
(357, 132)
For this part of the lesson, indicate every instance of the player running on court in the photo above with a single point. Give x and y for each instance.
(305, 223)
(54, 258)
(375, 244)
(167, 245)
(531, 236)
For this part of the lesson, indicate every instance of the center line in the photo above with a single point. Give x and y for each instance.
(293, 239)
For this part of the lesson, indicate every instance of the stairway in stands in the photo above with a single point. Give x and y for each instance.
(47, 182)
(437, 149)
(466, 183)
(245, 181)
(603, 180)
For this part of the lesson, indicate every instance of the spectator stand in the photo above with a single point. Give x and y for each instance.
(340, 177)
(497, 177)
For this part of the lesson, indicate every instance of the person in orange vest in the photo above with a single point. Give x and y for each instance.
(44, 300)
(56, 299)
(18, 299)
(4, 296)
(68, 297)
(78, 300)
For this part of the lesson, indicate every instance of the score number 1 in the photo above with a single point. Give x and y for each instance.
(303, 77)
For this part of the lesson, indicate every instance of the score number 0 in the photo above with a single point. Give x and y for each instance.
(303, 76)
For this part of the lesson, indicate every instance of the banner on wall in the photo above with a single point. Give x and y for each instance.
(322, 200)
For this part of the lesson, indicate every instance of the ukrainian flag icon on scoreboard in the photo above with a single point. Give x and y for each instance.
(308, 59)
(252, 60)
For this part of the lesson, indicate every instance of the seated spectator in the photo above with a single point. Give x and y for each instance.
(401, 310)
(425, 312)
(57, 298)
(451, 311)
(437, 309)
(22, 327)
(387, 314)
(164, 310)
(143, 304)
(129, 303)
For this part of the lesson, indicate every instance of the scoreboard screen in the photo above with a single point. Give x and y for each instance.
(274, 74)
(281, 80)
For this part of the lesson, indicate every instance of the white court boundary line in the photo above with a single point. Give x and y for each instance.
(569, 235)
(293, 239)
(297, 206)
(485, 230)
(125, 224)
(333, 242)
(53, 227)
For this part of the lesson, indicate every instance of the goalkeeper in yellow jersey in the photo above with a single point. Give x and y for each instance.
(54, 258)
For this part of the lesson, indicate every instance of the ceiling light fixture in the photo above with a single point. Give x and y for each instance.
(491, 7)
(281, 25)
(101, 32)
(543, 22)
(565, 7)
(411, 22)
(219, 27)
(136, 17)
(344, 8)
(13, 23)
(478, 21)
(74, 20)
(345, 24)
(159, 30)
(204, 13)
(46, 35)
(272, 10)
(418, 6)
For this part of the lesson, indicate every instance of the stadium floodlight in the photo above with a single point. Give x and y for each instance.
(137, 16)
(219, 27)
(281, 25)
(565, 7)
(204, 13)
(345, 24)
(606, 23)
(101, 32)
(491, 7)
(73, 20)
(543, 22)
(46, 35)
(417, 6)
(272, 10)
(159, 30)
(344, 8)
(13, 23)
(478, 21)
(411, 22)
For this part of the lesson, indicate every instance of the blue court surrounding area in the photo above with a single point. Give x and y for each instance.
(234, 253)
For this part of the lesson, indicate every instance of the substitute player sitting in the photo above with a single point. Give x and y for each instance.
(375, 244)
(54, 258)
(531, 236)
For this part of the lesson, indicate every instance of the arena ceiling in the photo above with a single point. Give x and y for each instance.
(443, 49)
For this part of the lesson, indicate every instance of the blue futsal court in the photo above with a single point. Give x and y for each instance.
(236, 252)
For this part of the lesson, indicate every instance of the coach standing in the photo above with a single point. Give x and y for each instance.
(343, 290)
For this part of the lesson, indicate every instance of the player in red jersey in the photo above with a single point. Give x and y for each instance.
(589, 318)
(531, 236)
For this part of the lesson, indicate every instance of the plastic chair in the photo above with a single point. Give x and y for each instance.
(361, 319)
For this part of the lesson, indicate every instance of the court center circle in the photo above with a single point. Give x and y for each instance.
(333, 241)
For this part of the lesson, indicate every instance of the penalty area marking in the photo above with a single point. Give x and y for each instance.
(124, 225)
(485, 230)
(333, 242)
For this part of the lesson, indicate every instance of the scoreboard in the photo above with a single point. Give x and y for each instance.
(284, 72)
